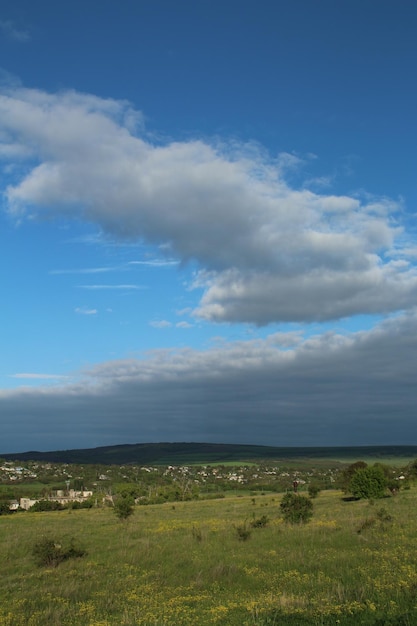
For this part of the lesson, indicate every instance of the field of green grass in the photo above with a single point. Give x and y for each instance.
(184, 564)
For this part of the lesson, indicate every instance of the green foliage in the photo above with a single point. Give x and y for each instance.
(296, 508)
(49, 552)
(366, 524)
(381, 521)
(369, 483)
(4, 508)
(392, 484)
(131, 490)
(46, 505)
(412, 469)
(124, 507)
(85, 504)
(313, 490)
(260, 522)
(348, 473)
(6, 493)
(243, 532)
(383, 516)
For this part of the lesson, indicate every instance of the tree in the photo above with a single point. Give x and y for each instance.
(123, 507)
(46, 505)
(296, 509)
(348, 473)
(368, 482)
(4, 508)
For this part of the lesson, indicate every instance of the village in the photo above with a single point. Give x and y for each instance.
(26, 484)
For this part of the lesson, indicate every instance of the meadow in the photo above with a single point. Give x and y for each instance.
(185, 564)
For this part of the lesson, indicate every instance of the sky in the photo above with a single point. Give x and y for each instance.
(208, 222)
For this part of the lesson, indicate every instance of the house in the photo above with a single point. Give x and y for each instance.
(26, 503)
(60, 496)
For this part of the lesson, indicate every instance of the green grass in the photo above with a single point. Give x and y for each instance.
(184, 565)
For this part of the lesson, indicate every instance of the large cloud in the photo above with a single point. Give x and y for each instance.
(284, 390)
(267, 252)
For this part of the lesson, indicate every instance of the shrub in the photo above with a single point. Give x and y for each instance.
(367, 523)
(380, 521)
(313, 490)
(412, 469)
(48, 552)
(369, 483)
(243, 532)
(4, 508)
(261, 522)
(296, 509)
(46, 505)
(85, 504)
(383, 515)
(123, 507)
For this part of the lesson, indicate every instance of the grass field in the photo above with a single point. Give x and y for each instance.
(184, 565)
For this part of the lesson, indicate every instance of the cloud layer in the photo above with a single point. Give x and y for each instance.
(267, 252)
(284, 390)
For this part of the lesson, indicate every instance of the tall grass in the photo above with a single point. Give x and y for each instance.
(185, 565)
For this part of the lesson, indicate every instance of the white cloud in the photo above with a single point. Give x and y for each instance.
(86, 311)
(155, 263)
(405, 252)
(267, 252)
(8, 28)
(186, 311)
(319, 182)
(160, 324)
(90, 270)
(117, 287)
(183, 325)
(32, 376)
(315, 295)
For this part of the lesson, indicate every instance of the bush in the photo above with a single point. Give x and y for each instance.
(85, 504)
(123, 507)
(381, 521)
(243, 532)
(296, 509)
(369, 483)
(260, 522)
(313, 490)
(46, 505)
(5, 508)
(48, 552)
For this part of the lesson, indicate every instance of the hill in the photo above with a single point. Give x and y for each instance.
(206, 453)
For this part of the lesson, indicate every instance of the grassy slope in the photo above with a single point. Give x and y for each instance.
(205, 453)
(183, 565)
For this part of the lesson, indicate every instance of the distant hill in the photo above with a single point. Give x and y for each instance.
(205, 453)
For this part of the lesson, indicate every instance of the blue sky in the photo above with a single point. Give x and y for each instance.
(208, 222)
